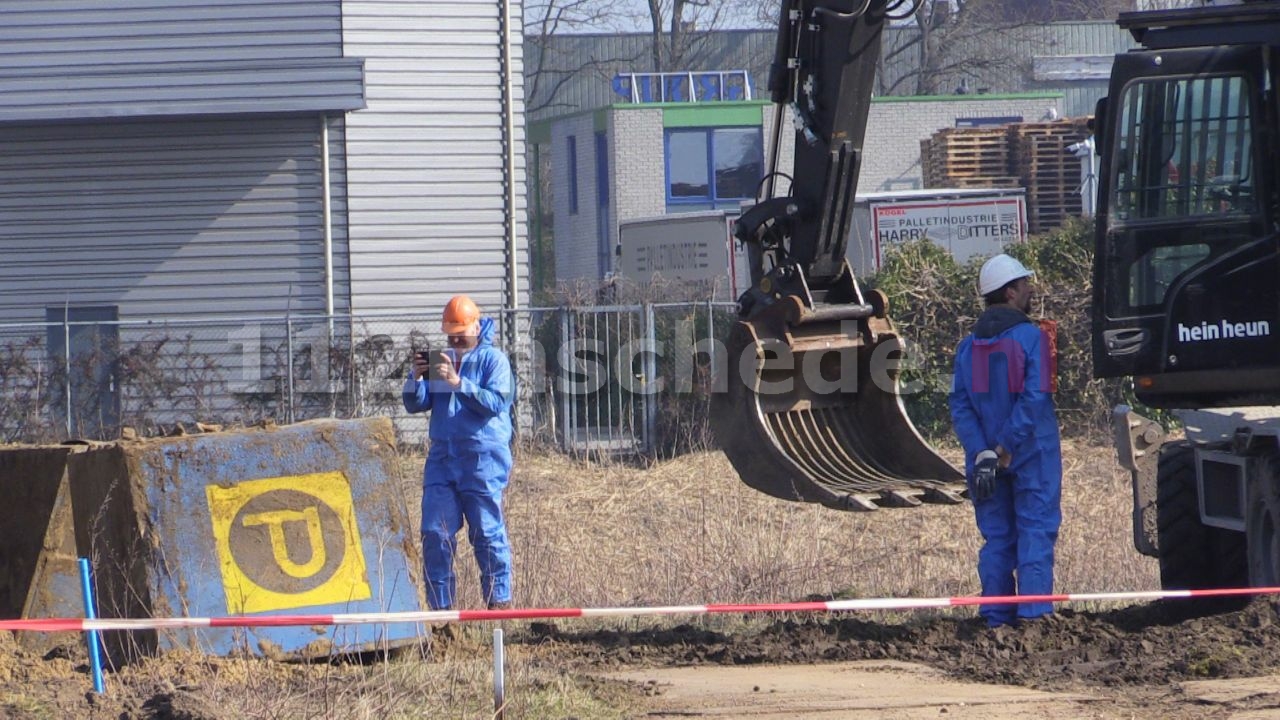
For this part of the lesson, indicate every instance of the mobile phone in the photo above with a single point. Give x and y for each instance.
(438, 356)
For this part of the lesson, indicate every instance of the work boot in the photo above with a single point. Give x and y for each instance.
(500, 605)
(444, 632)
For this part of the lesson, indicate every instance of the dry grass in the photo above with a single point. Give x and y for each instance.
(454, 682)
(688, 531)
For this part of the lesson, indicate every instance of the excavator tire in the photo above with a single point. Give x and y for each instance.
(1193, 556)
(849, 449)
(1262, 524)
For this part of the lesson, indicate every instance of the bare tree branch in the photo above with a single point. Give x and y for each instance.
(549, 66)
(952, 41)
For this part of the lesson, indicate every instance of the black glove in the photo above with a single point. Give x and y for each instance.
(985, 469)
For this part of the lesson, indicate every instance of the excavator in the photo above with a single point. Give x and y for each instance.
(813, 411)
(1186, 289)
(1186, 285)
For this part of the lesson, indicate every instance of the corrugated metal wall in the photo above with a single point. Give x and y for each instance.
(106, 33)
(189, 215)
(426, 170)
(166, 219)
(1003, 59)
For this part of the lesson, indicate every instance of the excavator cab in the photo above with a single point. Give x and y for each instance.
(1187, 272)
(812, 408)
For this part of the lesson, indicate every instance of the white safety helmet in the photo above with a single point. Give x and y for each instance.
(1000, 271)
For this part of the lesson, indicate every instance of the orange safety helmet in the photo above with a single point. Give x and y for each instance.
(460, 316)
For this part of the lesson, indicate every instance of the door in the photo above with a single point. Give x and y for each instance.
(1186, 275)
(84, 343)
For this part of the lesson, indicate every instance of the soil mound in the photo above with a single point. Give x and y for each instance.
(1151, 644)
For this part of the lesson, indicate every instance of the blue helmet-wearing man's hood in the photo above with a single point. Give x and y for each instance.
(488, 329)
(996, 319)
(479, 409)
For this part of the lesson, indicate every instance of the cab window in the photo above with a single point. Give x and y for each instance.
(1183, 149)
(1182, 184)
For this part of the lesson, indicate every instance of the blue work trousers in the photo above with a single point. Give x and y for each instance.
(1019, 524)
(464, 479)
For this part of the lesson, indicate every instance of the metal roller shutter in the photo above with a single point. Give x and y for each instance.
(165, 219)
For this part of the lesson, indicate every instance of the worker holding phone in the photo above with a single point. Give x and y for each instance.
(468, 389)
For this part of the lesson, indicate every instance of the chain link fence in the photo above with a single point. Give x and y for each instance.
(590, 380)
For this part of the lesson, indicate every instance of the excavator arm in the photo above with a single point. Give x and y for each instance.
(812, 409)
(822, 72)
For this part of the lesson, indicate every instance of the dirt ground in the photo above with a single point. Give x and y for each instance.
(1167, 660)
(874, 690)
(1161, 660)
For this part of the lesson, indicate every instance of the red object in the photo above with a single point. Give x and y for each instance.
(1050, 330)
(435, 616)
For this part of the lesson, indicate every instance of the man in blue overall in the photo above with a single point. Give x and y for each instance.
(469, 389)
(1002, 409)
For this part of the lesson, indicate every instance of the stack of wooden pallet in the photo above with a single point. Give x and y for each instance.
(967, 157)
(1031, 155)
(1050, 174)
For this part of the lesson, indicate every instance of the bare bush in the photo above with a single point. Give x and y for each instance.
(934, 302)
(26, 383)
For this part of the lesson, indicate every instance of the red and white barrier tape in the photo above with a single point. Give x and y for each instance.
(438, 616)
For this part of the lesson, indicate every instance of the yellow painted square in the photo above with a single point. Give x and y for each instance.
(288, 542)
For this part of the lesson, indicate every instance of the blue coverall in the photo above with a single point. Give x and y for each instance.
(1001, 396)
(467, 468)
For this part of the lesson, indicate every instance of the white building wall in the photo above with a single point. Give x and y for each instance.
(786, 146)
(633, 135)
(895, 127)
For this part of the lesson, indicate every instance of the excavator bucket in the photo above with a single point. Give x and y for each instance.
(812, 411)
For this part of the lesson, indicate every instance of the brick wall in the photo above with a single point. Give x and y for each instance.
(639, 171)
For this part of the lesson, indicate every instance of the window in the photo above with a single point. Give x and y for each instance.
(1151, 275)
(604, 245)
(1183, 149)
(709, 168)
(573, 175)
(974, 122)
(1182, 184)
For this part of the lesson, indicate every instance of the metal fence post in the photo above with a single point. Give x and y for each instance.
(66, 365)
(320, 361)
(650, 378)
(499, 676)
(288, 365)
(711, 335)
(564, 356)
